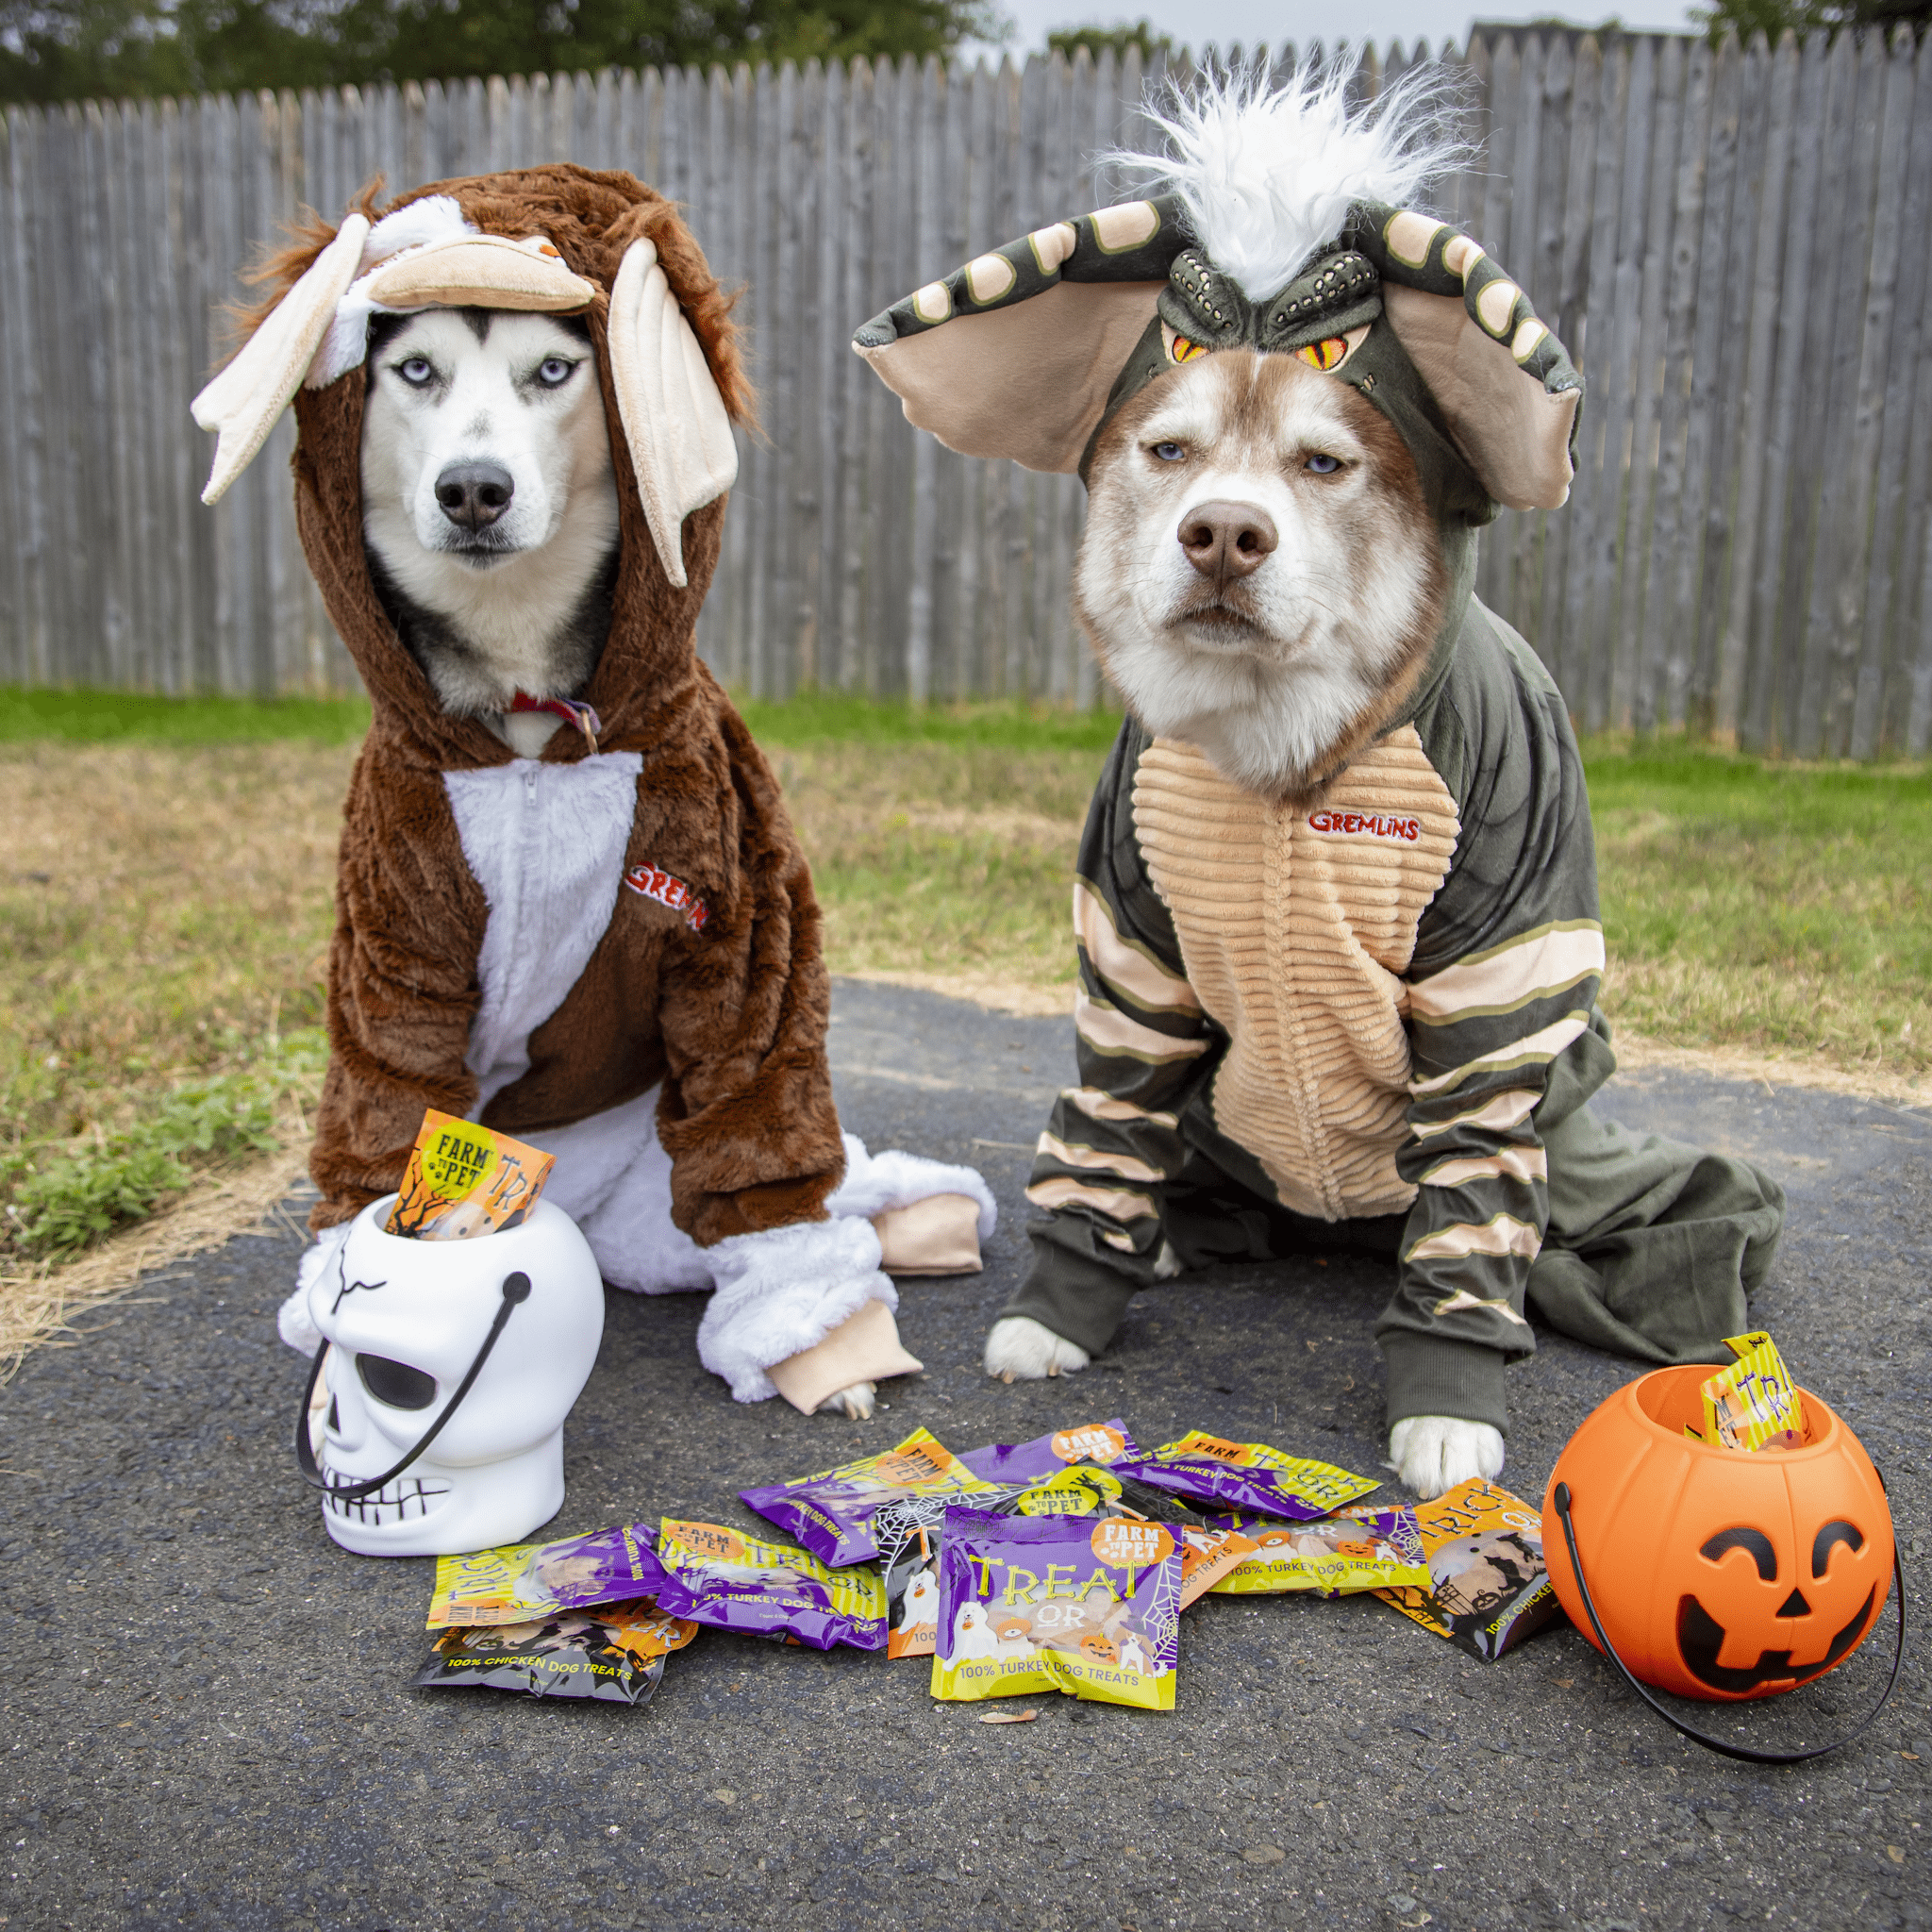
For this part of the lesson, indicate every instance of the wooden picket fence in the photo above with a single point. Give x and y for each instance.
(1729, 239)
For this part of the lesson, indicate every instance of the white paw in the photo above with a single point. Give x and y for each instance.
(1434, 1453)
(292, 1324)
(1022, 1349)
(857, 1403)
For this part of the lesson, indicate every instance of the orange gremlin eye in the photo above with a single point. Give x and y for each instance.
(1326, 355)
(1184, 351)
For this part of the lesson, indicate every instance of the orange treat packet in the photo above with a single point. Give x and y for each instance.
(465, 1179)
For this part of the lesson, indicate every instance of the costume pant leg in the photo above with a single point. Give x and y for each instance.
(1080, 1285)
(1652, 1245)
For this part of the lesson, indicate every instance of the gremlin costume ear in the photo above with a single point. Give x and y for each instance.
(1015, 354)
(1025, 352)
(1506, 386)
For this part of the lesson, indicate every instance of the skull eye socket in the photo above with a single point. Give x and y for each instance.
(396, 1385)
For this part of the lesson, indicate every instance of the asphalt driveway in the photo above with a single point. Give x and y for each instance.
(208, 1720)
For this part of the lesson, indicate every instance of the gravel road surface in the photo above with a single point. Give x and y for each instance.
(209, 1719)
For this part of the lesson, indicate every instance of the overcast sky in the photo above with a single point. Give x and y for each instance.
(1195, 23)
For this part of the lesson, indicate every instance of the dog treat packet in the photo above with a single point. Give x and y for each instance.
(1064, 1473)
(1752, 1404)
(615, 1653)
(1488, 1588)
(465, 1179)
(525, 1580)
(1028, 1603)
(907, 1535)
(715, 1575)
(1023, 1464)
(1207, 1555)
(831, 1513)
(1356, 1548)
(1247, 1476)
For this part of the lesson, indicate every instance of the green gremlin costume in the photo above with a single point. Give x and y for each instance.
(1368, 1020)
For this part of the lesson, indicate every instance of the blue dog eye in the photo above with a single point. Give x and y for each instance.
(416, 370)
(1323, 465)
(1169, 452)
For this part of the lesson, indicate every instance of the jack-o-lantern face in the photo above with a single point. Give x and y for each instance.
(1718, 1572)
(1815, 1631)
(1099, 1650)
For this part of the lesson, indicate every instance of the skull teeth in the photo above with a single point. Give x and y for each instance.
(390, 1505)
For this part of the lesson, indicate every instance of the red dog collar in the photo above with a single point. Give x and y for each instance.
(581, 715)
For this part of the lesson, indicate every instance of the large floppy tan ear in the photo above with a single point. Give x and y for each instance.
(1014, 354)
(674, 421)
(1505, 384)
(1028, 383)
(244, 401)
(1515, 433)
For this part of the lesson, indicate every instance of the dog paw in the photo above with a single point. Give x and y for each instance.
(1022, 1349)
(856, 1403)
(1434, 1453)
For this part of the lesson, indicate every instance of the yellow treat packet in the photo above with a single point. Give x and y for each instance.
(1356, 1548)
(1754, 1403)
(525, 1580)
(465, 1179)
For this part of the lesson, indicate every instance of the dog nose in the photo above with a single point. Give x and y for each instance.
(474, 495)
(1227, 540)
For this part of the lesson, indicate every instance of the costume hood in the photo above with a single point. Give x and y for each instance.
(1275, 238)
(562, 239)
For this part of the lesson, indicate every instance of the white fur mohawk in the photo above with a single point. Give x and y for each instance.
(1268, 174)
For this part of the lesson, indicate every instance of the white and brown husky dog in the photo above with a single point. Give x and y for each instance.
(490, 507)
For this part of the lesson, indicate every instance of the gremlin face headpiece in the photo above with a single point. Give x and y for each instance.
(1025, 352)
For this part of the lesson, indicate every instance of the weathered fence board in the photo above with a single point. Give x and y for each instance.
(1727, 237)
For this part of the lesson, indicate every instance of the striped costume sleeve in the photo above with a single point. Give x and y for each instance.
(1505, 1039)
(1144, 1047)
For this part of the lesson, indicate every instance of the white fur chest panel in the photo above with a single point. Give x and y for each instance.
(1294, 928)
(547, 844)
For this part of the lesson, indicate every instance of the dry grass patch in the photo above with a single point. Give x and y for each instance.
(943, 865)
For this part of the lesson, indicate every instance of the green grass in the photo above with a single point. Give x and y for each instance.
(167, 869)
(1782, 908)
(97, 717)
(1003, 725)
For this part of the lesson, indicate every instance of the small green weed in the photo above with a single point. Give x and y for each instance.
(66, 1194)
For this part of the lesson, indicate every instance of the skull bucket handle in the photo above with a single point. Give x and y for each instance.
(516, 1290)
(1562, 1500)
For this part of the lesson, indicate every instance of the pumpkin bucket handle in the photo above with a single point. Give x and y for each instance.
(1562, 1499)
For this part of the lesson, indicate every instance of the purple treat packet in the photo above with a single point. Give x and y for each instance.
(508, 1585)
(715, 1575)
(831, 1513)
(1028, 1462)
(1088, 1606)
(1247, 1476)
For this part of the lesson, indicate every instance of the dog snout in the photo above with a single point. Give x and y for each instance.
(474, 495)
(1225, 540)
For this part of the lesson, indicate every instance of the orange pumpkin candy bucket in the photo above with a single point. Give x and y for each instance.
(1712, 1573)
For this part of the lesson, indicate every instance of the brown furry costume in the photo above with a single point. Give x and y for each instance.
(721, 1012)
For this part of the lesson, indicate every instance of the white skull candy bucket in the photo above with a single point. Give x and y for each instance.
(449, 1368)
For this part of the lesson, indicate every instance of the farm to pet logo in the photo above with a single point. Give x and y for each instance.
(670, 891)
(1375, 825)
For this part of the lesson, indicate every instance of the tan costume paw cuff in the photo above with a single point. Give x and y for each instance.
(937, 1235)
(864, 1347)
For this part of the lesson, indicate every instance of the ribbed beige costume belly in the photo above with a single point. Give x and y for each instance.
(1292, 938)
